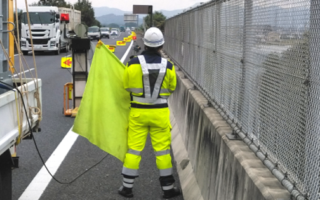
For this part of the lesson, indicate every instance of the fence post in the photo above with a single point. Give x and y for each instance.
(312, 144)
(247, 23)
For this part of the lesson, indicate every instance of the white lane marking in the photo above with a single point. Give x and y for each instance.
(42, 179)
(23, 72)
(40, 182)
(127, 52)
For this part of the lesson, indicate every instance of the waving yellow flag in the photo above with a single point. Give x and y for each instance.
(104, 110)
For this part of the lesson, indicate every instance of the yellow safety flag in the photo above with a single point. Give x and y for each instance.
(66, 62)
(103, 114)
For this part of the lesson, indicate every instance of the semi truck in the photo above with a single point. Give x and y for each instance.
(49, 28)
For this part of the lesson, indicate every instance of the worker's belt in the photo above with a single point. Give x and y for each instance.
(145, 100)
(135, 105)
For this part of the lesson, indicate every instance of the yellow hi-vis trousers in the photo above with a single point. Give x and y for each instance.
(141, 122)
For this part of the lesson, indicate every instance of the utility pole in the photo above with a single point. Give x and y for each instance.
(151, 14)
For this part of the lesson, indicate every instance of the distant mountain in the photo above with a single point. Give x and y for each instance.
(100, 11)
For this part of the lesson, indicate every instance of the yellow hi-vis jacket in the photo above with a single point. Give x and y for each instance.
(150, 79)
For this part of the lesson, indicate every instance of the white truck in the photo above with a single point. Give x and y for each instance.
(49, 28)
(94, 33)
(105, 32)
(9, 104)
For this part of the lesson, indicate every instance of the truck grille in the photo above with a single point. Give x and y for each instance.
(40, 32)
(39, 41)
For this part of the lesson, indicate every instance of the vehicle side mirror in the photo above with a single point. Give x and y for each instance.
(57, 16)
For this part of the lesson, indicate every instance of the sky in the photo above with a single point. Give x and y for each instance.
(127, 5)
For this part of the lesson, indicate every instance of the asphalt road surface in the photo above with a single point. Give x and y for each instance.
(101, 182)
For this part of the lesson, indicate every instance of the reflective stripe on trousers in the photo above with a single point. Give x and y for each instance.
(134, 152)
(166, 172)
(161, 153)
(128, 182)
(130, 172)
(169, 187)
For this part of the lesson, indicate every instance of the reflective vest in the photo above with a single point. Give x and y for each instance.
(149, 83)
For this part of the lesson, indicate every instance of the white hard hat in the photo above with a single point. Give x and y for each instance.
(153, 37)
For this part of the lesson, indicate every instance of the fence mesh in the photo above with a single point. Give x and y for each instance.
(259, 60)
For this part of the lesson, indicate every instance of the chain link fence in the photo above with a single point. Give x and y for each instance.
(260, 61)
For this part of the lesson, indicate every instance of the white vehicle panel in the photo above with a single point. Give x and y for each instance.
(8, 108)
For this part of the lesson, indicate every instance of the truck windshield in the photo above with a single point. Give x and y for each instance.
(104, 29)
(93, 29)
(38, 18)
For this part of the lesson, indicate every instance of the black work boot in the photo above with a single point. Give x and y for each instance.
(126, 192)
(167, 194)
(167, 185)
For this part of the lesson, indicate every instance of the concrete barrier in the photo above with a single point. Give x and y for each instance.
(211, 166)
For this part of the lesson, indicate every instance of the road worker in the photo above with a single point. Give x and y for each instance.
(150, 79)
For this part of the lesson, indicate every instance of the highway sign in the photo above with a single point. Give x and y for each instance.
(66, 62)
(130, 18)
(142, 9)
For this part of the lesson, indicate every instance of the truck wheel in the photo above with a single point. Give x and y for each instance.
(67, 48)
(25, 53)
(58, 51)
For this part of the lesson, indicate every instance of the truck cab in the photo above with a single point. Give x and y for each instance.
(94, 33)
(49, 32)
